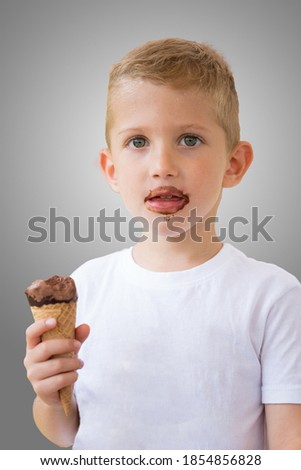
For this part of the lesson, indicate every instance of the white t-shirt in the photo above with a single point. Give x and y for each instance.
(186, 359)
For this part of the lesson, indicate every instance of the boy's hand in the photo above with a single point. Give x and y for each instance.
(47, 374)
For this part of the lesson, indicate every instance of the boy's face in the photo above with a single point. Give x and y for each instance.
(168, 154)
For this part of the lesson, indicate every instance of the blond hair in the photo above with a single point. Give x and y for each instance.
(182, 64)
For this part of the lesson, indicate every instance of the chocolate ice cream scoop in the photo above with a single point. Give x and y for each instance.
(53, 290)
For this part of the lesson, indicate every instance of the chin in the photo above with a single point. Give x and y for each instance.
(166, 226)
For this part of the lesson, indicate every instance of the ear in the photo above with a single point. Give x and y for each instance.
(239, 161)
(108, 168)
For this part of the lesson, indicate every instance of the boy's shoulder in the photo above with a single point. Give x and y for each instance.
(260, 272)
(98, 267)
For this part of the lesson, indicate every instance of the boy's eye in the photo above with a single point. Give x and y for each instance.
(137, 142)
(190, 140)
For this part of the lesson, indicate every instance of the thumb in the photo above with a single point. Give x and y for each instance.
(82, 332)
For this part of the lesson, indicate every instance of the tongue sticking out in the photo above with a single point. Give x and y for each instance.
(166, 200)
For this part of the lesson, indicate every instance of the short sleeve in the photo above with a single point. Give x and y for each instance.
(281, 350)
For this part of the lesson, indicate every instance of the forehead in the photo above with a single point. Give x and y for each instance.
(149, 99)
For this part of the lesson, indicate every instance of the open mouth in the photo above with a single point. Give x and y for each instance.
(166, 200)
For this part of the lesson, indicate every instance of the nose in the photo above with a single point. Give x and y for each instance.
(163, 162)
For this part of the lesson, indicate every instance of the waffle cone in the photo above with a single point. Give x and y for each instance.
(64, 313)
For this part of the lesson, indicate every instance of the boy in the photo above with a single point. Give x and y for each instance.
(193, 345)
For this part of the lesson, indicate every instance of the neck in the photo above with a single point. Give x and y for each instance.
(167, 255)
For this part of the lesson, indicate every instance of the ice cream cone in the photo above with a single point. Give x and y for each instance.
(65, 314)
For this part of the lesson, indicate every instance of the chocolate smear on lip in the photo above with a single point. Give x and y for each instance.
(167, 191)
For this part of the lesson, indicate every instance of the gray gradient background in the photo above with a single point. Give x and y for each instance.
(55, 57)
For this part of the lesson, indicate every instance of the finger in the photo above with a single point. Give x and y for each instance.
(35, 331)
(82, 332)
(52, 347)
(45, 388)
(43, 370)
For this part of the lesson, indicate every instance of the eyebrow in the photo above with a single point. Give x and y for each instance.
(138, 129)
(196, 127)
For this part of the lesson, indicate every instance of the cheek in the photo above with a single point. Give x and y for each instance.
(130, 188)
(127, 178)
(207, 178)
(131, 172)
